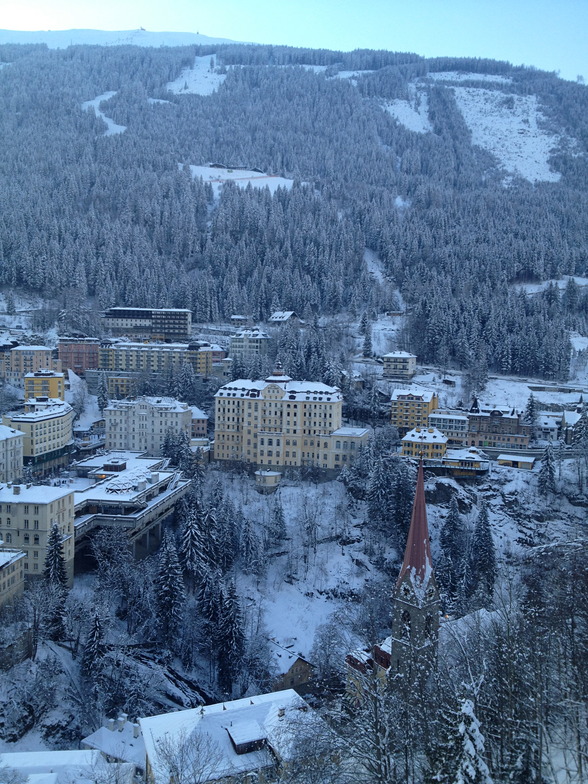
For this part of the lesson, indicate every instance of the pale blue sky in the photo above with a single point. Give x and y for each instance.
(548, 34)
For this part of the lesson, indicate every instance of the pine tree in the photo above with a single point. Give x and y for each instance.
(55, 572)
(102, 397)
(169, 592)
(471, 767)
(367, 350)
(192, 545)
(232, 639)
(453, 543)
(480, 563)
(531, 412)
(277, 526)
(94, 648)
(546, 478)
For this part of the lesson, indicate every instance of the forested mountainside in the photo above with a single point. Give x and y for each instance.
(95, 216)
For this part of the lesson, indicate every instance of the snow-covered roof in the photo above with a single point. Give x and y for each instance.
(44, 373)
(399, 355)
(50, 409)
(457, 415)
(119, 743)
(251, 333)
(34, 494)
(517, 458)
(132, 458)
(31, 348)
(293, 390)
(465, 454)
(64, 767)
(276, 717)
(164, 403)
(9, 432)
(350, 432)
(425, 395)
(8, 557)
(149, 310)
(570, 418)
(429, 435)
(281, 315)
(198, 413)
(283, 656)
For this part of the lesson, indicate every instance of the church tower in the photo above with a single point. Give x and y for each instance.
(415, 617)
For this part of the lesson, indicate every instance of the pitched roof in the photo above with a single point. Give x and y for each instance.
(417, 556)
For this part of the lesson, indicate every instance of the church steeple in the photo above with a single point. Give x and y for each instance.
(415, 619)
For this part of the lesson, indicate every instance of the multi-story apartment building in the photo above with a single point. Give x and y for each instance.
(280, 422)
(11, 574)
(425, 442)
(21, 360)
(248, 344)
(411, 407)
(166, 324)
(11, 454)
(144, 423)
(154, 358)
(78, 354)
(199, 423)
(497, 427)
(44, 383)
(399, 364)
(48, 432)
(27, 514)
(454, 424)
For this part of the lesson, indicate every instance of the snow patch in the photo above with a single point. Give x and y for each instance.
(508, 126)
(241, 177)
(112, 127)
(202, 79)
(413, 113)
(458, 76)
(350, 74)
(560, 283)
(157, 100)
(374, 264)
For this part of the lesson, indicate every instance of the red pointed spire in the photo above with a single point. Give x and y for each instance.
(417, 556)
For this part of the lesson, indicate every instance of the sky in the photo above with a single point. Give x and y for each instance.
(547, 34)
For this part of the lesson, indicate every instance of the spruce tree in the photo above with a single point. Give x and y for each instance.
(531, 413)
(546, 478)
(55, 572)
(480, 563)
(471, 767)
(94, 648)
(102, 397)
(169, 592)
(192, 545)
(231, 639)
(453, 544)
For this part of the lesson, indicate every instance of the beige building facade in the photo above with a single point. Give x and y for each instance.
(11, 454)
(167, 324)
(399, 364)
(411, 407)
(11, 574)
(154, 357)
(143, 424)
(27, 514)
(280, 422)
(21, 360)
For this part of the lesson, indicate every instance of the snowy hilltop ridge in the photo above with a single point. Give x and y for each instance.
(61, 39)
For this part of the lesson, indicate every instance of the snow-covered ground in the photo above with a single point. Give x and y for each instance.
(509, 127)
(217, 178)
(112, 127)
(458, 76)
(158, 100)
(202, 79)
(560, 283)
(352, 75)
(414, 113)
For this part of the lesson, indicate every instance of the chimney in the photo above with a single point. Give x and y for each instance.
(136, 730)
(110, 724)
(281, 712)
(122, 721)
(16, 489)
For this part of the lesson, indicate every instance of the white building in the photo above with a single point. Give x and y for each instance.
(249, 343)
(399, 364)
(229, 739)
(11, 454)
(143, 424)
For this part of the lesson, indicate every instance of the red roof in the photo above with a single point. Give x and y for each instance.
(417, 556)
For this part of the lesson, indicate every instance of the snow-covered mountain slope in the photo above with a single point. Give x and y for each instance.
(202, 79)
(61, 39)
(507, 125)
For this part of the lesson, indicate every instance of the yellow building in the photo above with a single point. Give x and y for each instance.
(11, 574)
(399, 364)
(44, 383)
(279, 422)
(410, 408)
(48, 432)
(27, 514)
(154, 357)
(27, 359)
(426, 442)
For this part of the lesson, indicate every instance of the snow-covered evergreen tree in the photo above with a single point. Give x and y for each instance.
(480, 566)
(453, 545)
(531, 412)
(232, 639)
(55, 572)
(169, 592)
(94, 648)
(471, 766)
(102, 397)
(546, 477)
